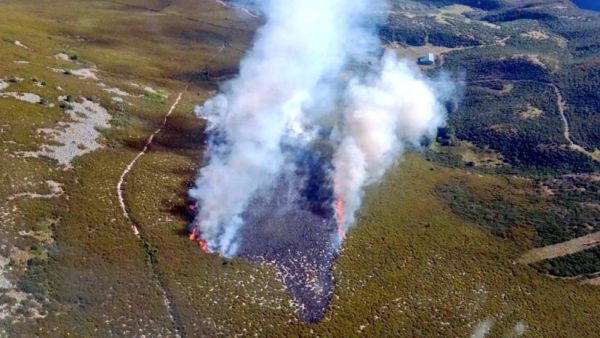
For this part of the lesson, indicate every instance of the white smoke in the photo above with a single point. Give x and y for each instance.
(483, 328)
(517, 331)
(288, 82)
(384, 112)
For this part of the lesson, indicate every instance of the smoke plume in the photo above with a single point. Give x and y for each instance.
(384, 112)
(316, 74)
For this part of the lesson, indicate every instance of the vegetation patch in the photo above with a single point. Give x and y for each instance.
(584, 263)
(501, 207)
(531, 112)
(435, 242)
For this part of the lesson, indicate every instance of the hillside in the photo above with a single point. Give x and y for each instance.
(492, 226)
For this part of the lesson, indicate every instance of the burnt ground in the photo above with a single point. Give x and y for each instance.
(292, 225)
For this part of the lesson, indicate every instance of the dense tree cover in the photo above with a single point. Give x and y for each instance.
(518, 14)
(481, 4)
(421, 30)
(499, 210)
(400, 29)
(574, 189)
(505, 75)
(489, 117)
(570, 57)
(582, 263)
(34, 281)
(580, 88)
(496, 64)
(580, 29)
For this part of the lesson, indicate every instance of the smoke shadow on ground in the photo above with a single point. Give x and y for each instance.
(182, 211)
(182, 135)
(181, 232)
(179, 211)
(208, 79)
(154, 7)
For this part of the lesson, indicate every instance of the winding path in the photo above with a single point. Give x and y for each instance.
(561, 105)
(574, 245)
(561, 109)
(567, 133)
(138, 156)
(243, 9)
(134, 227)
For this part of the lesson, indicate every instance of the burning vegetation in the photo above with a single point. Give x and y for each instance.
(294, 224)
(196, 237)
(293, 140)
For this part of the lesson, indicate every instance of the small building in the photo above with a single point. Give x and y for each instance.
(426, 60)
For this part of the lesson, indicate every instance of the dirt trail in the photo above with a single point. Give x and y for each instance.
(561, 249)
(136, 158)
(243, 9)
(567, 131)
(561, 110)
(593, 281)
(136, 230)
(561, 104)
(574, 245)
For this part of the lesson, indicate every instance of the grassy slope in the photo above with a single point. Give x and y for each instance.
(97, 278)
(409, 261)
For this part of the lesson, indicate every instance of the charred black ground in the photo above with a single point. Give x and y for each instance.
(292, 225)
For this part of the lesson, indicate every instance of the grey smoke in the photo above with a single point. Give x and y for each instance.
(296, 76)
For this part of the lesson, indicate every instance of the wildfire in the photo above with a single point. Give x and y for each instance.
(195, 236)
(339, 214)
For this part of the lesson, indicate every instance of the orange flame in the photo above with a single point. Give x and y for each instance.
(203, 245)
(339, 213)
(194, 236)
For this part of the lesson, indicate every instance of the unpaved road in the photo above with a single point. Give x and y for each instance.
(561, 109)
(574, 245)
(243, 9)
(560, 103)
(135, 159)
(593, 281)
(561, 249)
(134, 227)
(567, 131)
